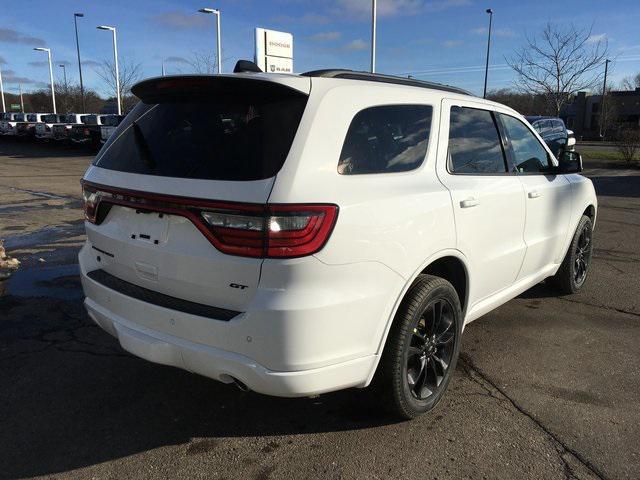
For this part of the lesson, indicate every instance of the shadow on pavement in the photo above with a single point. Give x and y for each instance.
(618, 186)
(29, 148)
(72, 398)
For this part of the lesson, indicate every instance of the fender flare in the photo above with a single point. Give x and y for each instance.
(448, 252)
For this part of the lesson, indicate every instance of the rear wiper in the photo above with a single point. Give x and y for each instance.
(143, 146)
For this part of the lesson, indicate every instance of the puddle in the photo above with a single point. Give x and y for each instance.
(56, 281)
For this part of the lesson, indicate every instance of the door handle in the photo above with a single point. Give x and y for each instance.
(534, 194)
(469, 202)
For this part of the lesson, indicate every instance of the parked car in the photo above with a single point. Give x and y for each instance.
(43, 129)
(8, 123)
(299, 234)
(27, 128)
(553, 132)
(62, 131)
(90, 131)
(110, 123)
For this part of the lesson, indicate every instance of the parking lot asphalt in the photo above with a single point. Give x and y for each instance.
(547, 387)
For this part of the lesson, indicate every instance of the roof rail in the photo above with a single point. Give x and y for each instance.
(377, 77)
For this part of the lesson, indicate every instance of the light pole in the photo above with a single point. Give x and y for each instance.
(486, 68)
(75, 21)
(64, 71)
(216, 12)
(374, 9)
(604, 94)
(21, 99)
(4, 108)
(115, 58)
(53, 90)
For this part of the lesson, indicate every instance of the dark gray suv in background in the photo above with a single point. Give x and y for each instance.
(552, 131)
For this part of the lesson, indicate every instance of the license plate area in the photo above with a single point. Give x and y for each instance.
(151, 228)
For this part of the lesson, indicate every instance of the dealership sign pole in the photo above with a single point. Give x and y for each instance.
(274, 51)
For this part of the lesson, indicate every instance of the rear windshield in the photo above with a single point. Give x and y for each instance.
(90, 120)
(243, 133)
(50, 118)
(32, 118)
(20, 117)
(68, 118)
(7, 116)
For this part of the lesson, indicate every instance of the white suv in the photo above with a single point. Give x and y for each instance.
(302, 234)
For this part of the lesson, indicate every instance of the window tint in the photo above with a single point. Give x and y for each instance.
(50, 118)
(474, 142)
(242, 135)
(390, 138)
(529, 154)
(32, 118)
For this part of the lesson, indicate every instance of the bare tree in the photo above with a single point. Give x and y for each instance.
(558, 63)
(130, 73)
(202, 62)
(631, 83)
(608, 116)
(629, 145)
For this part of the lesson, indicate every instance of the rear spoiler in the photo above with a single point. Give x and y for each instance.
(171, 88)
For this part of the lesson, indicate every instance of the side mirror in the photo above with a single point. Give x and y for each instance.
(570, 162)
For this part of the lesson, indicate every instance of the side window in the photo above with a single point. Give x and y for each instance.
(529, 154)
(385, 139)
(474, 142)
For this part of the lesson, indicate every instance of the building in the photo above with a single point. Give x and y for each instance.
(584, 113)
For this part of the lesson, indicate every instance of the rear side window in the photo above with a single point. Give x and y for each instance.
(32, 118)
(529, 154)
(50, 118)
(386, 139)
(474, 142)
(241, 132)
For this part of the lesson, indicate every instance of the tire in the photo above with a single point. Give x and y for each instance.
(417, 351)
(572, 274)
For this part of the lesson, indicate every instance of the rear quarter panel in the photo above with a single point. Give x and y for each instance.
(398, 219)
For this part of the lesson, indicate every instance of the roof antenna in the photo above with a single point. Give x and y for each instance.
(246, 66)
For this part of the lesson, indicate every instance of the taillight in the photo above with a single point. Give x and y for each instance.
(278, 231)
(248, 230)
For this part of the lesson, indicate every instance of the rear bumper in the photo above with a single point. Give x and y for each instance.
(303, 340)
(225, 366)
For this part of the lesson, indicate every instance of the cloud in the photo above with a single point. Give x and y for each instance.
(10, 77)
(498, 32)
(8, 35)
(45, 63)
(181, 21)
(390, 8)
(90, 63)
(451, 43)
(357, 45)
(325, 36)
(308, 18)
(176, 60)
(600, 37)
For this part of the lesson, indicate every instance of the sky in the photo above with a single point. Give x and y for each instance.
(437, 40)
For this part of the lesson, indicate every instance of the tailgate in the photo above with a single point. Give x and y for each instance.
(194, 148)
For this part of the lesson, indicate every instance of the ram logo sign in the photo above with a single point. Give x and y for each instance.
(274, 51)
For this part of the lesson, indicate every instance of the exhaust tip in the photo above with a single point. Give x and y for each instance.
(240, 385)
